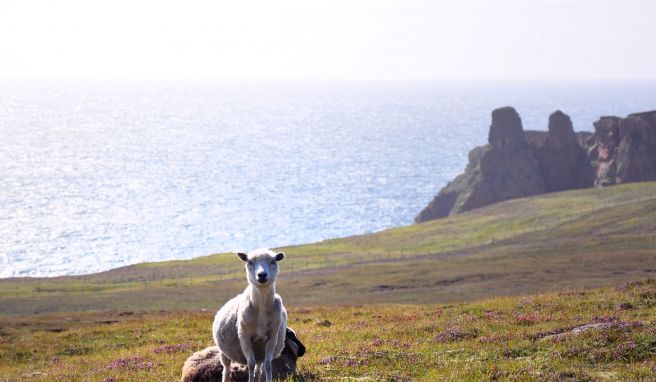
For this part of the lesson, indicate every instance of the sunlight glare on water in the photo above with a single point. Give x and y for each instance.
(97, 175)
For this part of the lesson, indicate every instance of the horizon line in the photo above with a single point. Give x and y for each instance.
(323, 80)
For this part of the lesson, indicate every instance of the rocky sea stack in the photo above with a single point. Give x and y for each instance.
(517, 163)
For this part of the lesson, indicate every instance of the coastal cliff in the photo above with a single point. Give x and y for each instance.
(517, 163)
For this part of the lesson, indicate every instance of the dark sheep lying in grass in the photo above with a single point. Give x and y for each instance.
(205, 365)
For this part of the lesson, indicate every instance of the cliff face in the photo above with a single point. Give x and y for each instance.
(516, 164)
(563, 161)
(505, 168)
(624, 150)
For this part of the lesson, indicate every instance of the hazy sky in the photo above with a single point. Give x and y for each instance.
(350, 39)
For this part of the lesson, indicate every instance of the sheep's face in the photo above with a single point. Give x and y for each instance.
(261, 266)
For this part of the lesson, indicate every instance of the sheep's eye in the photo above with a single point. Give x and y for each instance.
(273, 262)
(250, 263)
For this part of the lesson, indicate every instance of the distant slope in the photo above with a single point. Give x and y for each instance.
(570, 239)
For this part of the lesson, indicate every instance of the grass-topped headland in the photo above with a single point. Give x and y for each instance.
(570, 239)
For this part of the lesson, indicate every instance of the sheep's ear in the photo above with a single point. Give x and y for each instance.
(280, 256)
(243, 256)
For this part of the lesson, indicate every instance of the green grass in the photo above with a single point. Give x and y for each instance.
(581, 238)
(493, 339)
(471, 297)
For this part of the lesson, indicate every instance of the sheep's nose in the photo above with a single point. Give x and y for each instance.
(262, 276)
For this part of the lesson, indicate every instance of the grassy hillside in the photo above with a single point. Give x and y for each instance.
(508, 339)
(584, 238)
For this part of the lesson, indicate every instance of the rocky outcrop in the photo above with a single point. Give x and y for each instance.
(516, 163)
(562, 158)
(624, 150)
(505, 168)
(506, 132)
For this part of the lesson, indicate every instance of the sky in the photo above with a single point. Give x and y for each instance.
(329, 40)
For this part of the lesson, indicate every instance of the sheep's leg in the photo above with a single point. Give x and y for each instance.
(251, 370)
(268, 369)
(226, 363)
(247, 349)
(258, 371)
(269, 349)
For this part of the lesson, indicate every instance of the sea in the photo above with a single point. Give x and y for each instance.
(97, 174)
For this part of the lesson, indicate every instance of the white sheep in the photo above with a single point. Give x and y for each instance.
(250, 328)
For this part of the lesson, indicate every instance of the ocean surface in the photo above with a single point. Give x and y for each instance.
(100, 174)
